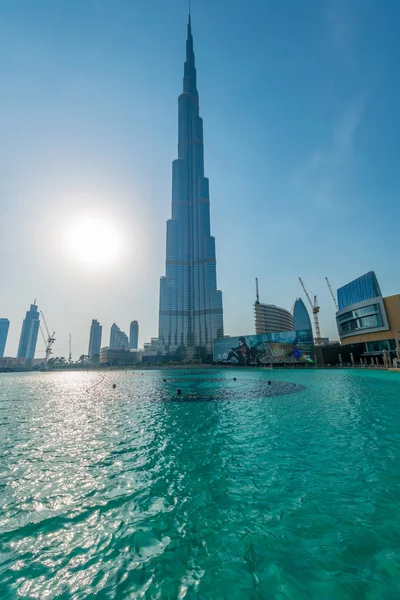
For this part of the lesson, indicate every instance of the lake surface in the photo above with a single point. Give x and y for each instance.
(134, 493)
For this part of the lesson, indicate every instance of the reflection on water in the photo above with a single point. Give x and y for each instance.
(120, 493)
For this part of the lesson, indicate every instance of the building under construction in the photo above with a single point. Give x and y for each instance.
(270, 318)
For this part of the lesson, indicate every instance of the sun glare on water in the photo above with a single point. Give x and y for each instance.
(93, 240)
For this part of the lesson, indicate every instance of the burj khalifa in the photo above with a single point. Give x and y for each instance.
(190, 313)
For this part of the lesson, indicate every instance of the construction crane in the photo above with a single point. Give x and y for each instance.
(49, 341)
(258, 310)
(332, 294)
(315, 310)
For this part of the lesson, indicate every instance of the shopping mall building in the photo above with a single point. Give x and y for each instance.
(366, 317)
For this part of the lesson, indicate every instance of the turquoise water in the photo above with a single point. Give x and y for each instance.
(128, 493)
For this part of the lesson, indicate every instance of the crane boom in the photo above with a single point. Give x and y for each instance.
(45, 324)
(315, 310)
(306, 293)
(42, 332)
(50, 339)
(332, 294)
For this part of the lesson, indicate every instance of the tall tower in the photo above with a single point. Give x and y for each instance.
(190, 304)
(4, 326)
(95, 338)
(134, 335)
(29, 333)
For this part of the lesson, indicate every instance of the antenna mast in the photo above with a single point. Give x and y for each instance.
(258, 310)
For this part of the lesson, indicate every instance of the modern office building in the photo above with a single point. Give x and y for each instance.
(95, 339)
(301, 318)
(118, 339)
(366, 317)
(29, 333)
(134, 335)
(190, 312)
(361, 289)
(4, 327)
(270, 318)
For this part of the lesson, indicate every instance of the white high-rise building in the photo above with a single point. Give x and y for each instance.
(134, 335)
(118, 339)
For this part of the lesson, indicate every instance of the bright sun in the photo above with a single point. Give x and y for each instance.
(93, 240)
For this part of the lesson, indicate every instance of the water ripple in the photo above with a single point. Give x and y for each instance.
(116, 493)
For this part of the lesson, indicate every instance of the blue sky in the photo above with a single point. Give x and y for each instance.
(301, 123)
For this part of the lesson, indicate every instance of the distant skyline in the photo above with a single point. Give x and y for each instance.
(302, 137)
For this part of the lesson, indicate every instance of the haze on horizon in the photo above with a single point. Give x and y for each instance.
(302, 140)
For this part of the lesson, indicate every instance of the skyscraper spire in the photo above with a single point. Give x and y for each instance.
(189, 81)
(190, 304)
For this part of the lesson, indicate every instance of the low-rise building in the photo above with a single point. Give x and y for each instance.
(325, 341)
(119, 356)
(12, 361)
(116, 356)
(279, 348)
(337, 355)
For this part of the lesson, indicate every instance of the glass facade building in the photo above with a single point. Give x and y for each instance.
(95, 338)
(301, 318)
(380, 346)
(363, 288)
(190, 312)
(366, 317)
(29, 333)
(4, 326)
(134, 335)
